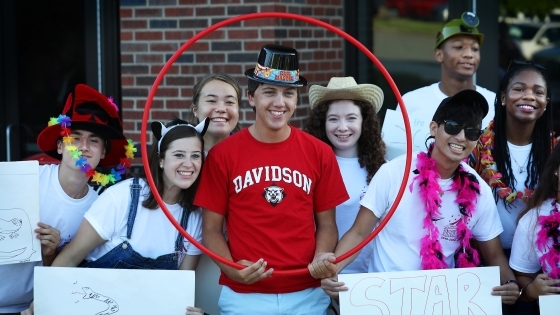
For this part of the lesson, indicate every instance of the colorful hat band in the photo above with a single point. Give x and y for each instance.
(271, 74)
(100, 178)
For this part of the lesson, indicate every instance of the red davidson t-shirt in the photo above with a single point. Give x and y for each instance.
(268, 193)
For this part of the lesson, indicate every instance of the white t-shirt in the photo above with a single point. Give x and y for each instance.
(397, 246)
(509, 214)
(354, 178)
(429, 97)
(57, 209)
(152, 234)
(421, 104)
(524, 253)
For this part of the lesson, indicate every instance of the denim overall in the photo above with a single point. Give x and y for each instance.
(124, 257)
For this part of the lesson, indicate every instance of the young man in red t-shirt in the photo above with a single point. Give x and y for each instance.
(277, 188)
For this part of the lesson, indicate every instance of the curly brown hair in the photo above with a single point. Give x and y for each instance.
(371, 148)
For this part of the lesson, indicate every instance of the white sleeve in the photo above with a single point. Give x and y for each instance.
(523, 254)
(488, 225)
(376, 198)
(194, 228)
(108, 212)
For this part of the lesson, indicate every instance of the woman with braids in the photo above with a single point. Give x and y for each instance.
(535, 252)
(344, 115)
(513, 149)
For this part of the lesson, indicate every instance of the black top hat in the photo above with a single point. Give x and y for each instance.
(469, 98)
(277, 65)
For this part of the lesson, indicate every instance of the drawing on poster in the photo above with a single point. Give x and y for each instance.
(9, 228)
(394, 133)
(438, 297)
(446, 291)
(16, 236)
(89, 294)
(92, 291)
(19, 212)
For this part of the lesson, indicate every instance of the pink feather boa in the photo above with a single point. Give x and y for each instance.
(550, 230)
(467, 189)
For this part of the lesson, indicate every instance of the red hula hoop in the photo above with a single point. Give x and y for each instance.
(281, 15)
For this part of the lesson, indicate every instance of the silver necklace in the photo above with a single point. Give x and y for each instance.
(521, 167)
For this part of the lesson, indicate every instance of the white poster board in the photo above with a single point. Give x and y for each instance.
(549, 304)
(96, 291)
(394, 133)
(19, 212)
(463, 291)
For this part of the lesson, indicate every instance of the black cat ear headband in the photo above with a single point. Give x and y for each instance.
(159, 130)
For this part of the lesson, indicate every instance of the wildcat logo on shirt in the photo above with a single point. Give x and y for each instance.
(274, 194)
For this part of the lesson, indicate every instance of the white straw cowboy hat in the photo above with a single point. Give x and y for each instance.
(346, 88)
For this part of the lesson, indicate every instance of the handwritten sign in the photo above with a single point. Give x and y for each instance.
(95, 291)
(19, 212)
(548, 304)
(463, 291)
(394, 134)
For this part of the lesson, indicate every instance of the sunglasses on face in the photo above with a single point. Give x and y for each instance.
(518, 63)
(453, 128)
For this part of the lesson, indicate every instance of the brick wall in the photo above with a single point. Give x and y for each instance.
(153, 30)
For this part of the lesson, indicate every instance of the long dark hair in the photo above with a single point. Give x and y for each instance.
(371, 148)
(541, 138)
(180, 132)
(548, 183)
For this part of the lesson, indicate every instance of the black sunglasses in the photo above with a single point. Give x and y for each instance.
(518, 63)
(453, 128)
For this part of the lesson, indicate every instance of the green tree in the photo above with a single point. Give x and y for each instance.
(538, 8)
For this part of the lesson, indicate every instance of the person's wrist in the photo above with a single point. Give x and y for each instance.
(526, 291)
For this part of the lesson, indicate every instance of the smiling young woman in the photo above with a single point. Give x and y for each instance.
(517, 140)
(344, 115)
(511, 153)
(105, 238)
(216, 96)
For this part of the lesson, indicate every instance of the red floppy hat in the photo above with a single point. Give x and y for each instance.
(91, 111)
